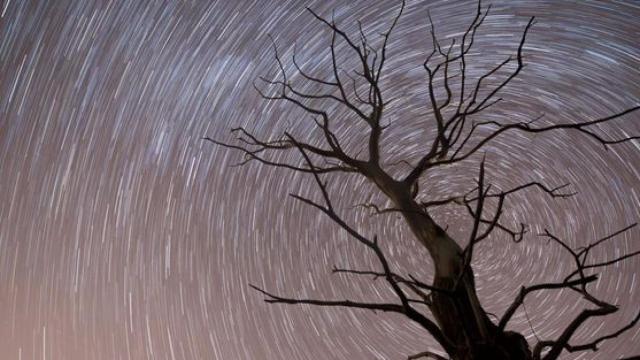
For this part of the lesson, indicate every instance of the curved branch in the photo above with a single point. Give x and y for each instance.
(524, 291)
(603, 307)
(526, 127)
(593, 345)
(561, 343)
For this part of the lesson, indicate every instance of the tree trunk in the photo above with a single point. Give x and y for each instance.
(460, 315)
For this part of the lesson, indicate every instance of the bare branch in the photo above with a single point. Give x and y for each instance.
(513, 75)
(603, 307)
(580, 256)
(397, 278)
(561, 343)
(524, 291)
(310, 77)
(252, 155)
(386, 39)
(282, 144)
(526, 127)
(272, 298)
(593, 345)
(405, 306)
(377, 210)
(473, 238)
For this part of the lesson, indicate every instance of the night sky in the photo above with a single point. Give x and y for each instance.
(124, 235)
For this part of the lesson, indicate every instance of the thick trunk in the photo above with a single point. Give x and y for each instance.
(460, 315)
(466, 325)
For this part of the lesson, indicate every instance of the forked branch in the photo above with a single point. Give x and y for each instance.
(577, 281)
(393, 279)
(455, 140)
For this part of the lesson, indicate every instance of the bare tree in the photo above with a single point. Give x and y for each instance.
(448, 308)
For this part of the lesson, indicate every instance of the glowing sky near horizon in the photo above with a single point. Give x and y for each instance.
(123, 235)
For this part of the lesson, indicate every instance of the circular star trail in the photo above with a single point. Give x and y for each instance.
(124, 235)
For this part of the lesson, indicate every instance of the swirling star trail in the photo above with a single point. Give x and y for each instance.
(124, 235)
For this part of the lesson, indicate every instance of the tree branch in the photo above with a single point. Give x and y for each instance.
(580, 285)
(524, 291)
(272, 298)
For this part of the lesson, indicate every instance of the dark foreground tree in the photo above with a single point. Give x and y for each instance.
(448, 308)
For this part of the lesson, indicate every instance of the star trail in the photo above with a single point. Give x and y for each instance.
(124, 235)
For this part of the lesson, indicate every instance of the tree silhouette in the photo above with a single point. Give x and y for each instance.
(448, 308)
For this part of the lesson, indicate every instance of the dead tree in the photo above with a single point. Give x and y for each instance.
(455, 317)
